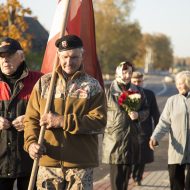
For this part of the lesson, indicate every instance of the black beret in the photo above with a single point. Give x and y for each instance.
(9, 45)
(68, 42)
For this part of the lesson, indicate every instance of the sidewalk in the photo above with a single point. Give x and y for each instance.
(151, 180)
(155, 176)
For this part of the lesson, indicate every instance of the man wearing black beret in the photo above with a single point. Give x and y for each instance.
(78, 115)
(16, 83)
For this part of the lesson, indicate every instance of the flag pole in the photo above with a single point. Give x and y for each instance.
(49, 97)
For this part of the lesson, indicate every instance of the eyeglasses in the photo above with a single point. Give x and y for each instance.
(6, 55)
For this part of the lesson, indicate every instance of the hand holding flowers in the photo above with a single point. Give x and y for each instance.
(130, 100)
(133, 115)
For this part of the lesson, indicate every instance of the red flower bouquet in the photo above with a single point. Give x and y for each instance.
(130, 100)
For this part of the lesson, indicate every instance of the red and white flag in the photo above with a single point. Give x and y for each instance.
(81, 23)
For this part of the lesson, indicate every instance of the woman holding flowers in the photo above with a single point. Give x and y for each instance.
(127, 106)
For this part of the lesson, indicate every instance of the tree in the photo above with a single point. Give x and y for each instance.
(162, 50)
(13, 24)
(117, 38)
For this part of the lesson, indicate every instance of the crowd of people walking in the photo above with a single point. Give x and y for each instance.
(125, 113)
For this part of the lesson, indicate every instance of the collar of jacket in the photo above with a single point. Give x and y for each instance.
(24, 74)
(185, 96)
(77, 74)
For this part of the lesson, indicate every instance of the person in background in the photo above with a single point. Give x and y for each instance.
(175, 120)
(77, 115)
(120, 141)
(147, 127)
(16, 83)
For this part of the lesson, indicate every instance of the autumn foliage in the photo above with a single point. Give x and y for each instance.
(12, 22)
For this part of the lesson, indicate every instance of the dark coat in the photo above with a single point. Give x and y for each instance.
(120, 141)
(14, 161)
(147, 127)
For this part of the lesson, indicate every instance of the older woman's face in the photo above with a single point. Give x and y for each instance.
(181, 86)
(127, 74)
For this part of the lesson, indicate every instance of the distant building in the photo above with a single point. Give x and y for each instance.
(39, 34)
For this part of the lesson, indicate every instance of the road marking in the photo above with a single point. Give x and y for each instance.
(163, 90)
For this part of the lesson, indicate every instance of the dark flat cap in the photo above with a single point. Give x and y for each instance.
(9, 45)
(68, 42)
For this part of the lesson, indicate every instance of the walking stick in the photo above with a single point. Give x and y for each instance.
(49, 98)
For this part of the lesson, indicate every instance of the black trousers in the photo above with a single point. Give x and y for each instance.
(178, 179)
(7, 183)
(119, 176)
(137, 171)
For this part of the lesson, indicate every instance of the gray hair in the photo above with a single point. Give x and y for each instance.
(21, 54)
(185, 76)
(81, 48)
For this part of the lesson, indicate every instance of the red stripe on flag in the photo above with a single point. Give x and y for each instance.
(74, 20)
(49, 55)
(80, 23)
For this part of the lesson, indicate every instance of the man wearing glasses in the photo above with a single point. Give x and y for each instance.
(16, 83)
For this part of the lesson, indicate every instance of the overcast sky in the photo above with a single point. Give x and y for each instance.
(170, 17)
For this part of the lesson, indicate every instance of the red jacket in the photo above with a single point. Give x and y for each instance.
(14, 161)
